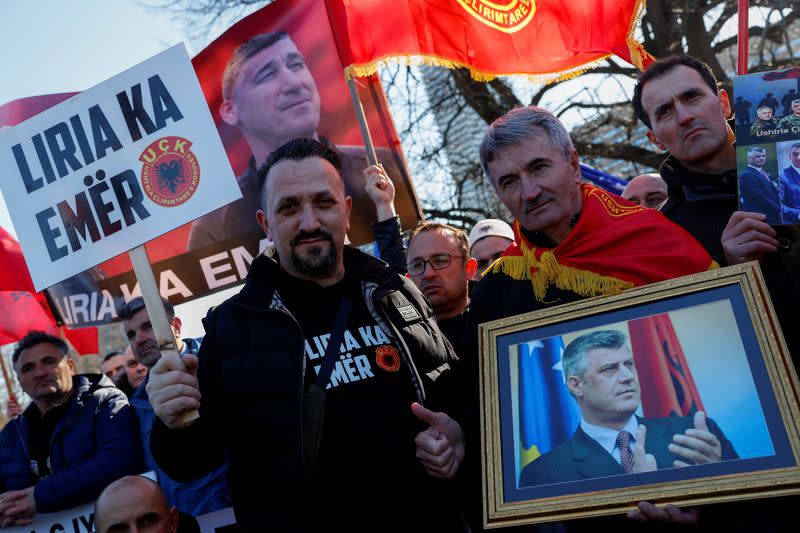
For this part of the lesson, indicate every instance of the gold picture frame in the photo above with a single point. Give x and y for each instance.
(719, 308)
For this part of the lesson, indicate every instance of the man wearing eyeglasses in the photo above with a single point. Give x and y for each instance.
(440, 266)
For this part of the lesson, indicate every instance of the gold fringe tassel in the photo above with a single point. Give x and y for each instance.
(636, 49)
(548, 272)
(367, 69)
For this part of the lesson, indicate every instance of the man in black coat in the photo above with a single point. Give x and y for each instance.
(317, 438)
(610, 440)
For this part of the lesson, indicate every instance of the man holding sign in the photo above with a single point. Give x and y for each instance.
(312, 378)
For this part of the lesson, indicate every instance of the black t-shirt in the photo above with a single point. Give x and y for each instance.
(367, 468)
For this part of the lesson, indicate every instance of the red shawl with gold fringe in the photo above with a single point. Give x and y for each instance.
(614, 246)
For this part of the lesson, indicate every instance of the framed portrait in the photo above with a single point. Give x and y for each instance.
(679, 392)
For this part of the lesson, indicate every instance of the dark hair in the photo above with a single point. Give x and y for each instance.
(245, 51)
(458, 235)
(296, 150)
(115, 353)
(662, 67)
(135, 305)
(35, 338)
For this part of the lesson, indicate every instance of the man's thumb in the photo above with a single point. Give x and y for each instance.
(700, 421)
(426, 415)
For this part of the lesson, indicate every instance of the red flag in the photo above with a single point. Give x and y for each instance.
(20, 313)
(664, 376)
(15, 280)
(545, 39)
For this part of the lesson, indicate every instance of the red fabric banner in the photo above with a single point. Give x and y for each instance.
(666, 382)
(18, 315)
(545, 39)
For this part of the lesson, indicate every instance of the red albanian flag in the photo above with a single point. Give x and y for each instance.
(545, 39)
(16, 280)
(20, 313)
(664, 377)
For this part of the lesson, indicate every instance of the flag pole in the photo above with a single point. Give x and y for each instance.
(155, 308)
(744, 37)
(362, 121)
(11, 395)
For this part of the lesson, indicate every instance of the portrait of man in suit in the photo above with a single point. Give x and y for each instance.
(758, 192)
(790, 181)
(600, 374)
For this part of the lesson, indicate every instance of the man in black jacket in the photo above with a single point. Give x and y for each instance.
(302, 457)
(678, 100)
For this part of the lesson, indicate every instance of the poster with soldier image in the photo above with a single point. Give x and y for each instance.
(767, 115)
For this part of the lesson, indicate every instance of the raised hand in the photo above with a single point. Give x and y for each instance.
(642, 461)
(696, 445)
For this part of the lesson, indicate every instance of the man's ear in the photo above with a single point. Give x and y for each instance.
(574, 386)
(654, 140)
(172, 520)
(176, 325)
(470, 267)
(71, 365)
(227, 111)
(576, 166)
(348, 205)
(261, 218)
(725, 103)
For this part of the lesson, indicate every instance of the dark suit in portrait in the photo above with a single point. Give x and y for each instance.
(790, 182)
(581, 457)
(759, 194)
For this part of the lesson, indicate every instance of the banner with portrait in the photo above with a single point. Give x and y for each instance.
(294, 86)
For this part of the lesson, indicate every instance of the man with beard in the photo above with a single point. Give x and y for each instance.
(312, 378)
(197, 497)
(270, 94)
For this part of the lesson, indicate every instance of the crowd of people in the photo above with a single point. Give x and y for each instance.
(339, 391)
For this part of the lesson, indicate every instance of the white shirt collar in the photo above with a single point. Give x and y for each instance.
(607, 438)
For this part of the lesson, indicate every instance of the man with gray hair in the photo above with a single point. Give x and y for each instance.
(758, 192)
(600, 373)
(572, 240)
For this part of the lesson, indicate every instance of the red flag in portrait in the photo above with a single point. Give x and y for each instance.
(545, 39)
(664, 377)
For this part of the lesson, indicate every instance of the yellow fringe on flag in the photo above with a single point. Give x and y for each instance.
(547, 271)
(367, 69)
(638, 53)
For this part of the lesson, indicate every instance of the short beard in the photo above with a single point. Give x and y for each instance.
(316, 264)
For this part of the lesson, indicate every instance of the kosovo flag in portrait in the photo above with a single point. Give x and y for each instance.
(548, 415)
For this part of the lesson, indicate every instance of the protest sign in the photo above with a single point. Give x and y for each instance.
(767, 108)
(113, 167)
(214, 252)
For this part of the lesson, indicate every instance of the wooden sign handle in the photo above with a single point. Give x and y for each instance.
(155, 309)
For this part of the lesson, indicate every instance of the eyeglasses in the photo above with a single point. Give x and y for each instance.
(437, 262)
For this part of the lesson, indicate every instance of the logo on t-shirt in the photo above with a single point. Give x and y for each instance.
(387, 358)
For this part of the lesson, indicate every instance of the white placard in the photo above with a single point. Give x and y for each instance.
(113, 167)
